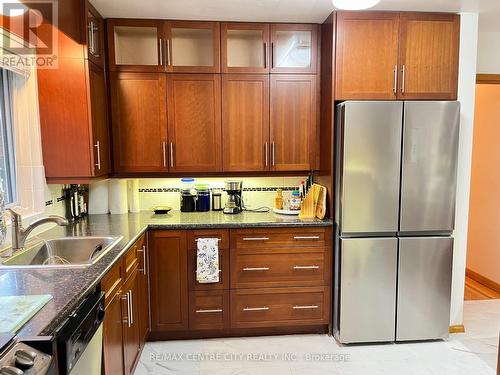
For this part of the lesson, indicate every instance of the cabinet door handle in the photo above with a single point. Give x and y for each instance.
(255, 238)
(143, 251)
(209, 311)
(167, 42)
(160, 51)
(395, 88)
(403, 79)
(306, 237)
(266, 153)
(164, 146)
(272, 55)
(127, 319)
(250, 269)
(306, 267)
(131, 308)
(263, 308)
(91, 37)
(273, 159)
(98, 148)
(265, 55)
(304, 307)
(171, 154)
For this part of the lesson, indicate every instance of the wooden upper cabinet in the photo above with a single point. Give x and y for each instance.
(391, 55)
(169, 280)
(95, 35)
(245, 47)
(194, 122)
(136, 45)
(429, 47)
(192, 47)
(245, 122)
(294, 101)
(294, 48)
(139, 122)
(99, 121)
(367, 55)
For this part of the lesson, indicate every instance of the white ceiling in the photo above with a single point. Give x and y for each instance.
(314, 11)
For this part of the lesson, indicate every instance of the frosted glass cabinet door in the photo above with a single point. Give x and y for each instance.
(245, 47)
(294, 48)
(136, 45)
(193, 47)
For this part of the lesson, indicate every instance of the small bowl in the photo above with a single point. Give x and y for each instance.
(161, 210)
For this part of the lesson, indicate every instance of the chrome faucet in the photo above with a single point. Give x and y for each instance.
(19, 234)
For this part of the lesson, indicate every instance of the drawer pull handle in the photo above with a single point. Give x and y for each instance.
(255, 238)
(256, 269)
(209, 311)
(306, 237)
(217, 239)
(305, 267)
(304, 307)
(264, 308)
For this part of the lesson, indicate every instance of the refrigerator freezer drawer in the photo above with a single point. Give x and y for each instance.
(368, 290)
(424, 288)
(370, 162)
(429, 166)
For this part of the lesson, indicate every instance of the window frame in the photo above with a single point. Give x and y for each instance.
(8, 135)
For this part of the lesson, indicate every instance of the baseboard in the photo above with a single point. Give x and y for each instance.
(457, 328)
(488, 78)
(482, 280)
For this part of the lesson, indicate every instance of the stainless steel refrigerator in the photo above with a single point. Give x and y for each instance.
(396, 165)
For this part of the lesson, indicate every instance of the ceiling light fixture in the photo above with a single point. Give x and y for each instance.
(354, 4)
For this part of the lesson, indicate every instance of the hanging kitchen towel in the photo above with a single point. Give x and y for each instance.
(207, 260)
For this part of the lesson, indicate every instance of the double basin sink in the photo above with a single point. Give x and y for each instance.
(63, 252)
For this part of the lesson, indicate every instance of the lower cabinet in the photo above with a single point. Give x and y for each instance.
(126, 321)
(169, 280)
(130, 311)
(269, 279)
(113, 321)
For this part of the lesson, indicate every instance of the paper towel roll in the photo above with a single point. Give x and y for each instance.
(98, 197)
(133, 195)
(118, 196)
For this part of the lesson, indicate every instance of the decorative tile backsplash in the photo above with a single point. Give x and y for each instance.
(257, 191)
(151, 192)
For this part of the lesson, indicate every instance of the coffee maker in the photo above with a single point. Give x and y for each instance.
(234, 202)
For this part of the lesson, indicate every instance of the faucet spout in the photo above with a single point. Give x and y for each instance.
(20, 234)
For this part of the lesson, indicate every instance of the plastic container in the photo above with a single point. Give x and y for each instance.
(203, 198)
(188, 195)
(295, 200)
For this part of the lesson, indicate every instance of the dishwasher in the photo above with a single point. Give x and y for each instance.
(79, 341)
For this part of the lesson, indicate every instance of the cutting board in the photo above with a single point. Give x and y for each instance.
(321, 202)
(15, 311)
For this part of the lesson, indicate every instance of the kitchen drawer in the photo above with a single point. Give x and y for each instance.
(221, 234)
(112, 282)
(223, 274)
(258, 239)
(280, 307)
(131, 260)
(209, 309)
(276, 269)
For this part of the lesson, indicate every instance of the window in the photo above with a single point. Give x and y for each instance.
(7, 155)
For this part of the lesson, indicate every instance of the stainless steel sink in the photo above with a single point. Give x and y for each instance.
(63, 252)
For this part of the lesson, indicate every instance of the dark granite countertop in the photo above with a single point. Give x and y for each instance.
(69, 286)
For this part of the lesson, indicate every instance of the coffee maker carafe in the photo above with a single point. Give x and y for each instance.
(234, 203)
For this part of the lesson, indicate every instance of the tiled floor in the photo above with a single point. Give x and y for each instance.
(473, 352)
